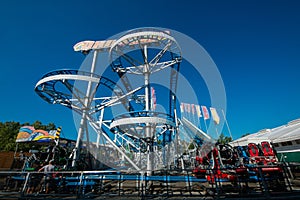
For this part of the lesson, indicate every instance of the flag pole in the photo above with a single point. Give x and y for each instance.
(226, 123)
(217, 132)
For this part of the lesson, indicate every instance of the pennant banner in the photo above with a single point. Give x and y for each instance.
(201, 111)
(215, 115)
(198, 111)
(188, 107)
(182, 107)
(193, 108)
(185, 107)
(205, 112)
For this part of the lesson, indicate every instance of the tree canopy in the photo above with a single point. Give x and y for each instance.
(224, 139)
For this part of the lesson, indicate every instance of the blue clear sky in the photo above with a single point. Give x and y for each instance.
(255, 45)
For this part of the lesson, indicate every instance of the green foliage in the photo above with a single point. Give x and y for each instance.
(10, 130)
(224, 139)
(191, 146)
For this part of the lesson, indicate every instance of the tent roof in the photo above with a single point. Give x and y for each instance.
(288, 132)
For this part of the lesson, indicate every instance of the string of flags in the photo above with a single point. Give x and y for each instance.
(201, 111)
(194, 112)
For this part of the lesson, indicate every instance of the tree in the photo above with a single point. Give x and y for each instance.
(224, 139)
(191, 146)
(8, 134)
(38, 125)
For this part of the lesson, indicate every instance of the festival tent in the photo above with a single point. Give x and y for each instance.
(285, 139)
(284, 133)
(248, 139)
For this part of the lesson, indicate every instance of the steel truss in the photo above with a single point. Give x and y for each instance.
(141, 136)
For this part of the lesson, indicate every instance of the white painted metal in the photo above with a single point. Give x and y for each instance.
(140, 120)
(68, 77)
(87, 101)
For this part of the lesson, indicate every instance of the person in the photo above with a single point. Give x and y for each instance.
(48, 175)
(34, 179)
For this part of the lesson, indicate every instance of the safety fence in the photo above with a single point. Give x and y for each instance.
(268, 182)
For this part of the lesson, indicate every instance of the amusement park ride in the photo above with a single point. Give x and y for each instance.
(143, 138)
(130, 133)
(120, 126)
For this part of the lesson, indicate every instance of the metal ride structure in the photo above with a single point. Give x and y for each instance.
(58, 87)
(144, 53)
(142, 138)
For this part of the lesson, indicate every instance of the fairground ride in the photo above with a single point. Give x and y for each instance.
(119, 122)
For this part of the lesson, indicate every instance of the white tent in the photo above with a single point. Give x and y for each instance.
(248, 139)
(285, 133)
(285, 138)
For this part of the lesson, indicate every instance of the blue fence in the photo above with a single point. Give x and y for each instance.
(165, 183)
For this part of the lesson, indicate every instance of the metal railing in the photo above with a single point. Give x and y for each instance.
(267, 181)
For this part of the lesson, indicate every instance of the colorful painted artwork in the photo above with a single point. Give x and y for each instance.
(29, 134)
